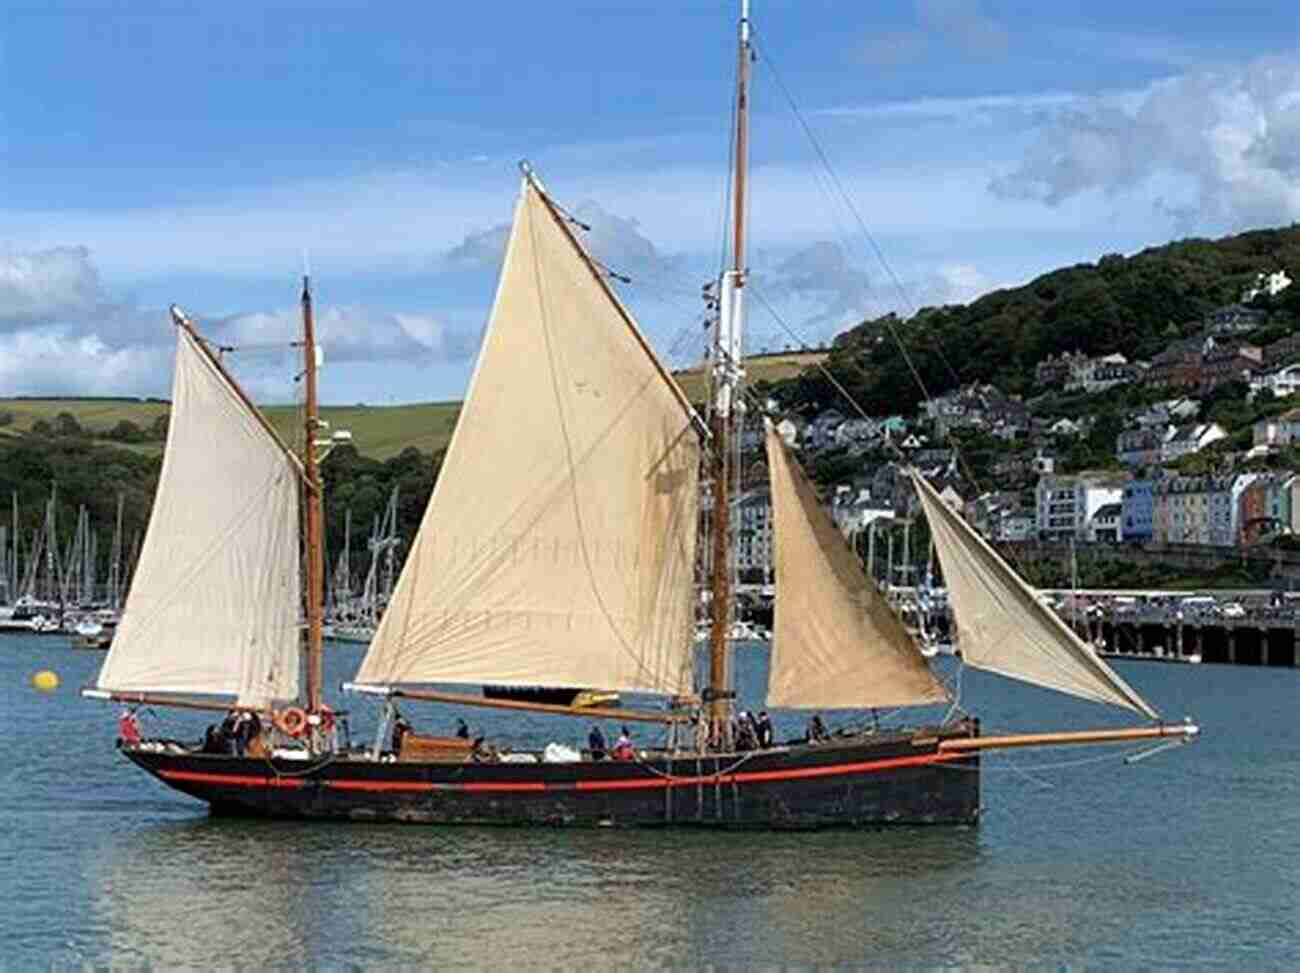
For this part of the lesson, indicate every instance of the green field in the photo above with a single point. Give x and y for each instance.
(377, 431)
(758, 368)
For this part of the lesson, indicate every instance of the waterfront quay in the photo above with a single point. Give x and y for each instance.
(1252, 627)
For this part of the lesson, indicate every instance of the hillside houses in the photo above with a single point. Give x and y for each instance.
(1178, 366)
(981, 407)
(1001, 516)
(1281, 383)
(1233, 319)
(1076, 372)
(1066, 505)
(1198, 509)
(1147, 501)
(1094, 375)
(1190, 438)
(1227, 361)
(1142, 446)
(1283, 430)
(1168, 411)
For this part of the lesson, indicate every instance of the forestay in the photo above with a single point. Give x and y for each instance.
(836, 642)
(1001, 624)
(215, 602)
(558, 547)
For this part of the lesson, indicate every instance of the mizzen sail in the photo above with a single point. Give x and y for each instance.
(215, 602)
(836, 642)
(1001, 624)
(558, 547)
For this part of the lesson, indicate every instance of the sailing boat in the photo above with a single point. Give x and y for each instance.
(576, 569)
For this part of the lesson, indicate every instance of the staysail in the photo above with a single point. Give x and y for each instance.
(215, 602)
(558, 547)
(835, 643)
(1001, 624)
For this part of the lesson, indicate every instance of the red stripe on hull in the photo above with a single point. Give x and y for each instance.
(237, 780)
(379, 785)
(759, 776)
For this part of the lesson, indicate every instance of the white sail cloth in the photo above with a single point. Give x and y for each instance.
(215, 602)
(558, 547)
(835, 643)
(1001, 624)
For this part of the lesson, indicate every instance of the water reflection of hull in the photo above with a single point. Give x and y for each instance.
(887, 778)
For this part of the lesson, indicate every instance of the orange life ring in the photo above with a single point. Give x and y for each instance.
(292, 721)
(326, 719)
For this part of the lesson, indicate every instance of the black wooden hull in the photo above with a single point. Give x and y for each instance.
(869, 780)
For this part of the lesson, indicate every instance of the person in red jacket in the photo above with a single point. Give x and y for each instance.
(128, 729)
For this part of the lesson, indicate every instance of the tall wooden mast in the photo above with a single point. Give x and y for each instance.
(727, 352)
(315, 548)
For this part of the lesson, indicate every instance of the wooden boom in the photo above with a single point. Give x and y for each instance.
(592, 712)
(147, 699)
(1188, 731)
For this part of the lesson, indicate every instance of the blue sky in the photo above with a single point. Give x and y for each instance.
(159, 152)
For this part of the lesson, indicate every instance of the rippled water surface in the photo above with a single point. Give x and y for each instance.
(1191, 857)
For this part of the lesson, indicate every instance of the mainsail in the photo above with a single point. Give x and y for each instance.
(836, 642)
(558, 547)
(215, 602)
(1001, 624)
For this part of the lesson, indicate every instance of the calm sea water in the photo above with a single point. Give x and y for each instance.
(1191, 857)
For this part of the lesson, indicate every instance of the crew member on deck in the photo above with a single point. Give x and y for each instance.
(596, 742)
(764, 728)
(227, 732)
(400, 729)
(128, 729)
(817, 732)
(623, 747)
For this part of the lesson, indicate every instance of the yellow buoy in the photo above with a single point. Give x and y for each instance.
(46, 681)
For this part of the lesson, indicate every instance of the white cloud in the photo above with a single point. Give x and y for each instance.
(43, 285)
(1219, 150)
(347, 333)
(481, 249)
(61, 332)
(615, 241)
(1032, 104)
(822, 287)
(43, 361)
(379, 221)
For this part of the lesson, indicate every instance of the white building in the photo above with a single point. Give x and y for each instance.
(1067, 504)
(1191, 438)
(1092, 375)
(1283, 382)
(1104, 525)
(752, 519)
(1280, 430)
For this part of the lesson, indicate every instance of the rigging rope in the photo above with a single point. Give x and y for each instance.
(908, 304)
